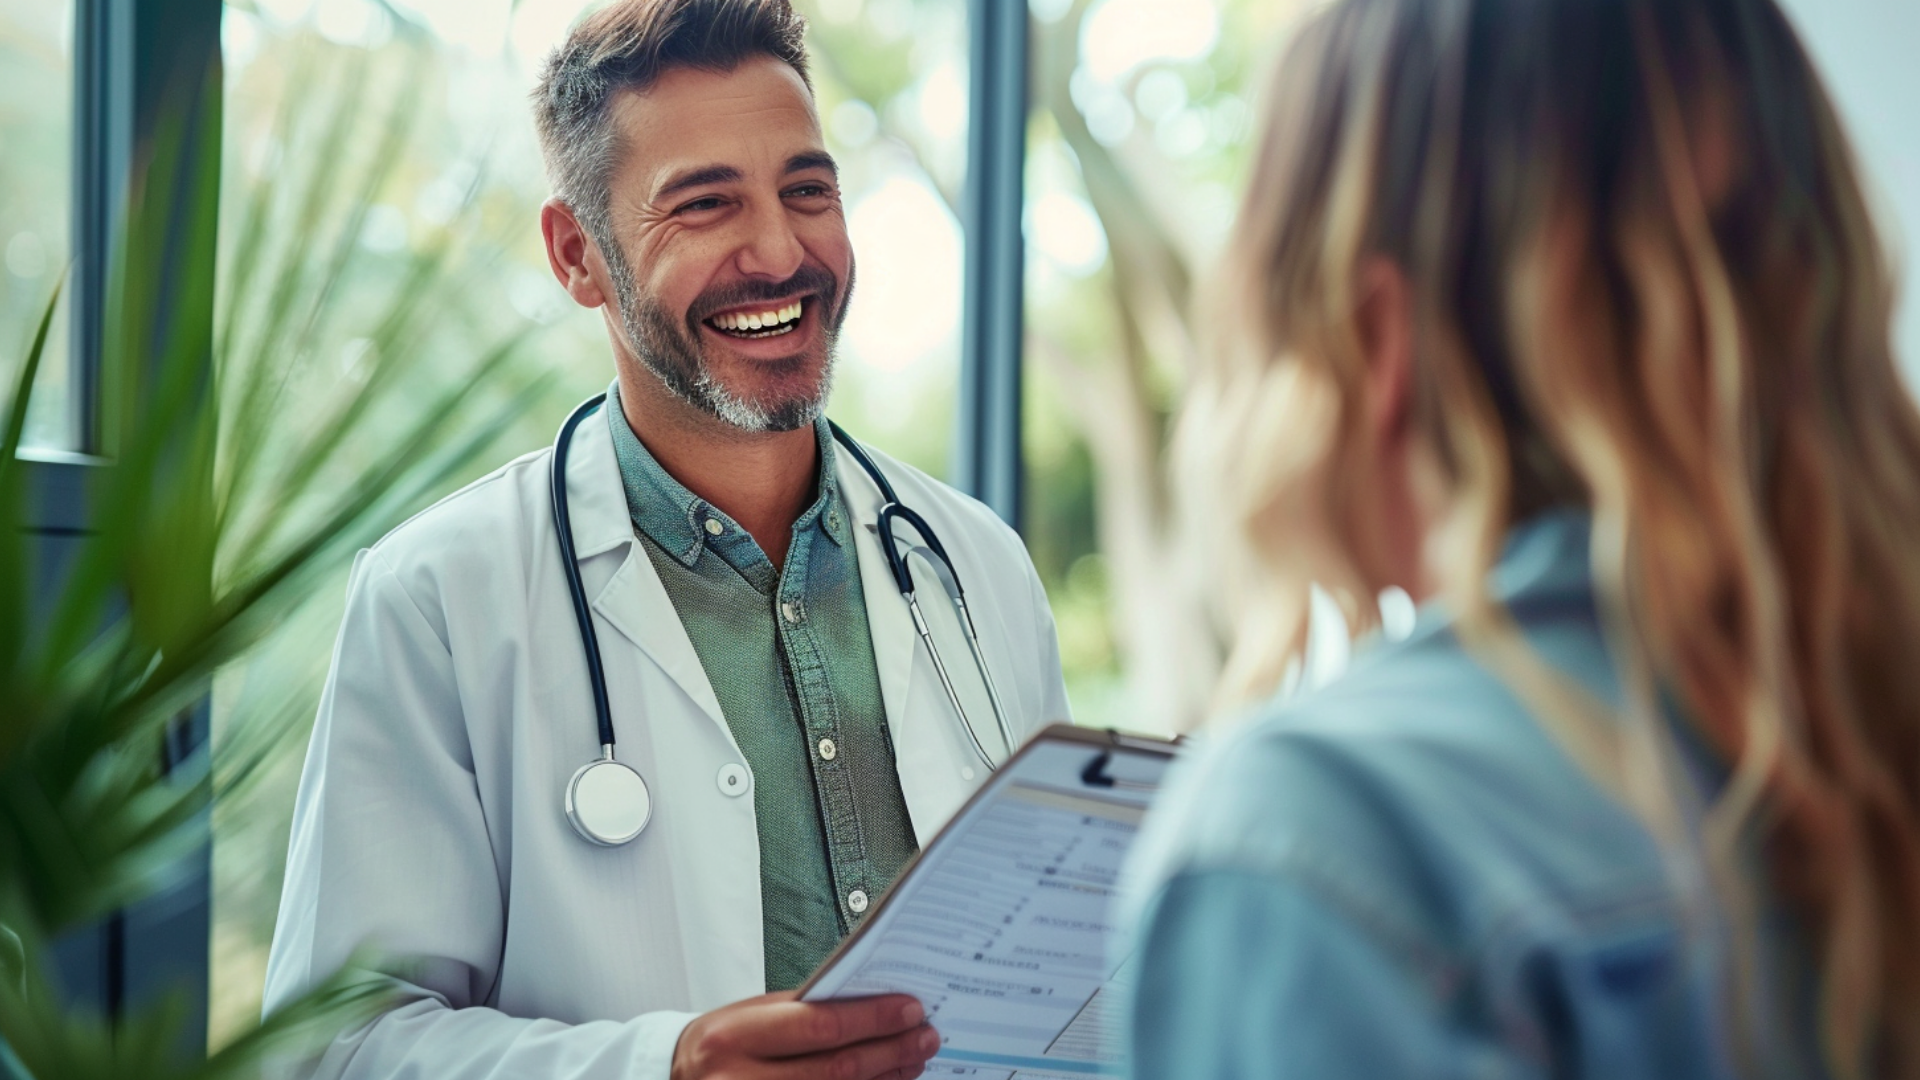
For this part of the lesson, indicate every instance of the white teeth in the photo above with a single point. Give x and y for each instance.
(772, 322)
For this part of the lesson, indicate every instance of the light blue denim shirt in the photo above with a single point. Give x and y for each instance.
(1401, 874)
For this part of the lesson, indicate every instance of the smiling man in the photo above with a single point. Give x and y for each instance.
(796, 735)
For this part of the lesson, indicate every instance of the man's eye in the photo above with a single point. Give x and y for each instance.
(809, 191)
(698, 205)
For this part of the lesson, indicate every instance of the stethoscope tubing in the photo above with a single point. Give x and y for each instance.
(891, 510)
(570, 563)
(986, 676)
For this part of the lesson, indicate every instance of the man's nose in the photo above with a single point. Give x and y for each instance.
(770, 248)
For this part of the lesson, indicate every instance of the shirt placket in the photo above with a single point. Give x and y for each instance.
(820, 715)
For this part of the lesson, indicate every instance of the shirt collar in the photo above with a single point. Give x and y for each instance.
(678, 520)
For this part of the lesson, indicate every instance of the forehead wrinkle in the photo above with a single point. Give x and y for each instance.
(678, 125)
(739, 97)
(679, 168)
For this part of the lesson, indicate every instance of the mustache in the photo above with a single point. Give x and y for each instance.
(807, 279)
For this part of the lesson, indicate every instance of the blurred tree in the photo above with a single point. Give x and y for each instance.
(1119, 388)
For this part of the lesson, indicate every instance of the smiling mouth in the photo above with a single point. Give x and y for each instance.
(748, 325)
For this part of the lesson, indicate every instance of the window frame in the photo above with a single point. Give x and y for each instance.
(988, 448)
(135, 61)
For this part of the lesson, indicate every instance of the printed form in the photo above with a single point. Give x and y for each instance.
(1004, 929)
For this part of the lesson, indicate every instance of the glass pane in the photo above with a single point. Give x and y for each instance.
(1140, 116)
(892, 82)
(890, 77)
(36, 176)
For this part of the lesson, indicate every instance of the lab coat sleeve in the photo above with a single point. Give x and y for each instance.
(391, 857)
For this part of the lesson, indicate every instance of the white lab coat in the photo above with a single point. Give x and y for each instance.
(430, 825)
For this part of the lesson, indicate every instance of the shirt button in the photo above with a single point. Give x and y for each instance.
(966, 772)
(857, 901)
(734, 780)
(828, 751)
(833, 520)
(790, 610)
(714, 528)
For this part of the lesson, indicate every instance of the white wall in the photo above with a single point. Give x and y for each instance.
(1868, 52)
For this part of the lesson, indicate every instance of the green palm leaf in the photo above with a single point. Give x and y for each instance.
(244, 473)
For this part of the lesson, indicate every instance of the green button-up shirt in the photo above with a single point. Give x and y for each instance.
(790, 658)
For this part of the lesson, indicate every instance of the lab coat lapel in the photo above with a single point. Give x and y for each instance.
(933, 781)
(632, 600)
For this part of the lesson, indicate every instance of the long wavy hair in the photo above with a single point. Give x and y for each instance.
(1644, 282)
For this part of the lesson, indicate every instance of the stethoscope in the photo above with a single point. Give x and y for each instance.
(607, 800)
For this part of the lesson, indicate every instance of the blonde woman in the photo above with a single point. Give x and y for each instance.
(1567, 317)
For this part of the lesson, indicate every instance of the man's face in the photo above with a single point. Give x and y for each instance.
(734, 266)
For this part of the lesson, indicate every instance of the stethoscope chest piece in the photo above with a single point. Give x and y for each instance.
(608, 802)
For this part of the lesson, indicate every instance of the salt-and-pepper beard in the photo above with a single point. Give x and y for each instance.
(679, 361)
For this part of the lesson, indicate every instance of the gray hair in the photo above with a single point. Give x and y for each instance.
(629, 45)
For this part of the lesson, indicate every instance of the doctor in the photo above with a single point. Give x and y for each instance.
(764, 676)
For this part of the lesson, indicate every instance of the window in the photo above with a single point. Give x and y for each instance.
(36, 178)
(1140, 110)
(892, 81)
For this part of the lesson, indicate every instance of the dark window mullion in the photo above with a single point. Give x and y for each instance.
(103, 143)
(139, 66)
(987, 457)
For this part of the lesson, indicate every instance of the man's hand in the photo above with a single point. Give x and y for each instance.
(776, 1037)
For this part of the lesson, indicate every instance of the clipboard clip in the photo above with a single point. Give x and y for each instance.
(1095, 775)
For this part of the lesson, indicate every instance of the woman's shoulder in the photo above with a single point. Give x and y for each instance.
(1418, 787)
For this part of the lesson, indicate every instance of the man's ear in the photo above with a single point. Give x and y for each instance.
(571, 254)
(1385, 319)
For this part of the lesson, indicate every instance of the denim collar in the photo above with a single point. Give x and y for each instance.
(1549, 553)
(677, 520)
(1544, 559)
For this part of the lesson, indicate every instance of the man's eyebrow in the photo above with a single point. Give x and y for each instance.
(812, 159)
(693, 178)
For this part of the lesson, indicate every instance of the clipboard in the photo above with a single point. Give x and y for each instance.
(1002, 926)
